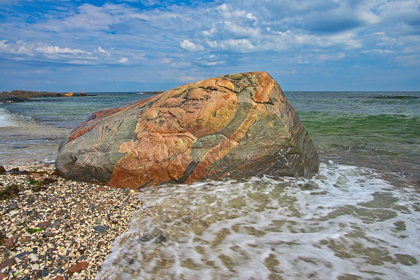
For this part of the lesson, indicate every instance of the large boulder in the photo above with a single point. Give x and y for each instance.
(234, 126)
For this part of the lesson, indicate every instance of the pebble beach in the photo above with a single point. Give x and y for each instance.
(52, 228)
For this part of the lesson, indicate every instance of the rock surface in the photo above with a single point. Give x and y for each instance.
(235, 126)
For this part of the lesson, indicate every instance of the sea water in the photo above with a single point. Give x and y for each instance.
(345, 223)
(24, 139)
(32, 131)
(357, 219)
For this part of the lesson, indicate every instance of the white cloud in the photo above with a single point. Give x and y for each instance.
(123, 60)
(186, 78)
(378, 51)
(190, 46)
(409, 59)
(242, 45)
(223, 7)
(51, 50)
(335, 56)
(213, 63)
(144, 2)
(291, 72)
(38, 51)
(31, 49)
(101, 50)
(177, 64)
(250, 16)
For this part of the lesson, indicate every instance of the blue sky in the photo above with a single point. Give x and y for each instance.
(141, 45)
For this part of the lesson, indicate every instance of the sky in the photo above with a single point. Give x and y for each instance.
(148, 45)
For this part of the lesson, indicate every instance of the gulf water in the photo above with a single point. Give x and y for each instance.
(359, 218)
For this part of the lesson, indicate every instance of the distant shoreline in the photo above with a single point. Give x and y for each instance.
(24, 95)
(29, 94)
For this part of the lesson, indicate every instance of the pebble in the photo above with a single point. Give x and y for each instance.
(101, 229)
(20, 255)
(14, 212)
(78, 267)
(33, 257)
(67, 212)
(7, 263)
(45, 273)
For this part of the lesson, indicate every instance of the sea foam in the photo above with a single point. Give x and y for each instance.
(7, 119)
(344, 223)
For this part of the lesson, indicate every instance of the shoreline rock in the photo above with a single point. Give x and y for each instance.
(234, 126)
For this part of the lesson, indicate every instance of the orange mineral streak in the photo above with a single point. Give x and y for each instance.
(226, 84)
(264, 88)
(223, 148)
(157, 163)
(167, 130)
(201, 108)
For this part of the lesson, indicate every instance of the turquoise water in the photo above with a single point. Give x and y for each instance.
(359, 218)
(379, 130)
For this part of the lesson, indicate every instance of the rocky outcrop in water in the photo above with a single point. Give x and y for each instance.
(23, 95)
(234, 126)
(11, 99)
(30, 94)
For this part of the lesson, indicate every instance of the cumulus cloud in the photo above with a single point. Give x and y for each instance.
(21, 50)
(30, 49)
(190, 46)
